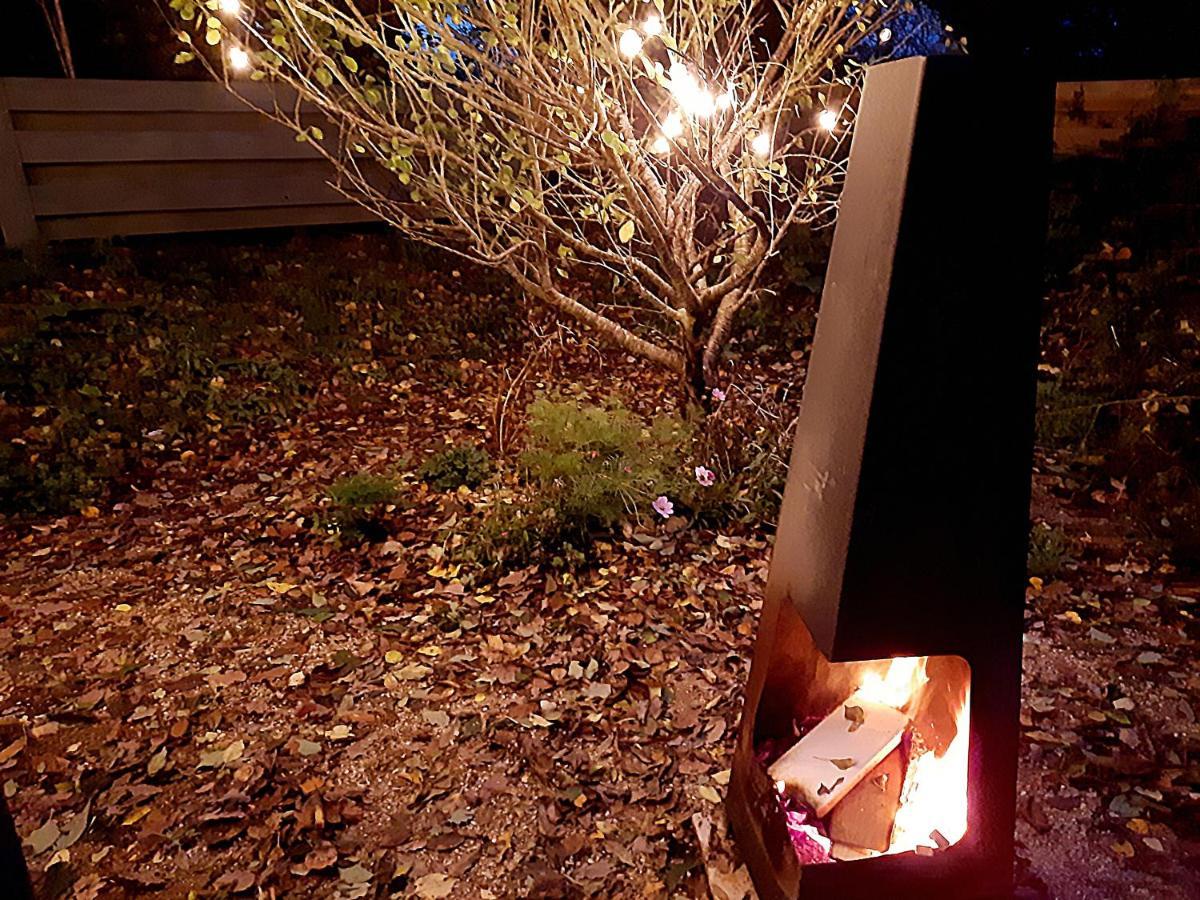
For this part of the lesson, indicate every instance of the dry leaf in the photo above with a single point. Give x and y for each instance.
(434, 885)
(842, 763)
(734, 885)
(43, 839)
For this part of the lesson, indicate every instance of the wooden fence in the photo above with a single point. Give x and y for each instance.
(1093, 116)
(85, 159)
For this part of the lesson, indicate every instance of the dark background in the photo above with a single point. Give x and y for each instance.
(1078, 38)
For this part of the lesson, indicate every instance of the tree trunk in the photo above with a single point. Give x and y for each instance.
(52, 10)
(694, 384)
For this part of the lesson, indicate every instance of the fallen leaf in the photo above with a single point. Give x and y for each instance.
(227, 679)
(823, 789)
(355, 874)
(1123, 849)
(598, 690)
(157, 761)
(316, 860)
(436, 717)
(434, 886)
(75, 828)
(855, 716)
(734, 885)
(236, 882)
(12, 750)
(413, 672)
(842, 763)
(1138, 826)
(1045, 737)
(43, 838)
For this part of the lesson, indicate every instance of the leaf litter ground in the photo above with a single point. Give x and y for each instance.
(200, 694)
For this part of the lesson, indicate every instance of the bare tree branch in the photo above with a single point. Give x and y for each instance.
(633, 165)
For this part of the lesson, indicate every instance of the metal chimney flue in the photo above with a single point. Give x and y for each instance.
(904, 524)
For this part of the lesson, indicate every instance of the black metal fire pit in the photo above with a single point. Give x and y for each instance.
(904, 524)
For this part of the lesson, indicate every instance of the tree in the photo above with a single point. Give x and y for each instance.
(52, 10)
(634, 166)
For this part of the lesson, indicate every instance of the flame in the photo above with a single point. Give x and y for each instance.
(935, 794)
(898, 685)
(933, 807)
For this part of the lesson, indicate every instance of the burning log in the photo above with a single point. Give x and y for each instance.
(830, 760)
(867, 815)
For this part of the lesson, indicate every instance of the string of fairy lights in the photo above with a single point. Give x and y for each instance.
(694, 99)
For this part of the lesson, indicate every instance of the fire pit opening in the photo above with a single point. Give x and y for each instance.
(876, 763)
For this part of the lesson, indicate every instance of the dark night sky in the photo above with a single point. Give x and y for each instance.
(1080, 38)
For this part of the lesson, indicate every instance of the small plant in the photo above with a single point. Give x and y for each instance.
(359, 504)
(586, 469)
(513, 532)
(463, 465)
(1049, 549)
(1065, 418)
(597, 465)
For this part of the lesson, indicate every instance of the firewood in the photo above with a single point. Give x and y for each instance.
(866, 815)
(839, 752)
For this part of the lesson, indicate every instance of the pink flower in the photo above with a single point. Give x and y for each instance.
(664, 507)
(718, 395)
(705, 477)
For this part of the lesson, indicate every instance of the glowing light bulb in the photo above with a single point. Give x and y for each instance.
(652, 27)
(631, 43)
(672, 127)
(885, 35)
(691, 96)
(660, 146)
(828, 119)
(724, 100)
(231, 7)
(761, 144)
(239, 59)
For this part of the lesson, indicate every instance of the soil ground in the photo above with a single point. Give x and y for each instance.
(202, 696)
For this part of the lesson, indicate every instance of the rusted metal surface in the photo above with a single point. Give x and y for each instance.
(904, 524)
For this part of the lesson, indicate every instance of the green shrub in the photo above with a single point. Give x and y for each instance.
(586, 469)
(359, 504)
(515, 531)
(597, 465)
(1049, 548)
(1065, 418)
(463, 465)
